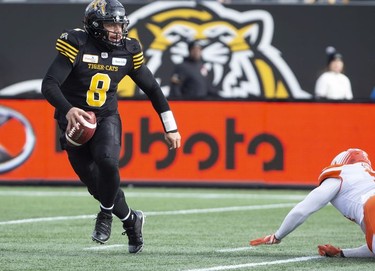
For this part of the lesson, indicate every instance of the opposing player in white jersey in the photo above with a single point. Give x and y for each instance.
(349, 185)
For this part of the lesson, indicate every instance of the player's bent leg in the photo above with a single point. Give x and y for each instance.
(105, 149)
(108, 185)
(120, 208)
(85, 168)
(109, 180)
(369, 218)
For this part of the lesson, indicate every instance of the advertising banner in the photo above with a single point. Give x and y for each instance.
(235, 143)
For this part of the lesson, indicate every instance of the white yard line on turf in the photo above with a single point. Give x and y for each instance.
(32, 193)
(177, 212)
(223, 209)
(103, 247)
(45, 219)
(225, 250)
(247, 265)
(38, 193)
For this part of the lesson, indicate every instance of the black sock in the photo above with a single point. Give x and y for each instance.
(121, 208)
(105, 210)
(129, 221)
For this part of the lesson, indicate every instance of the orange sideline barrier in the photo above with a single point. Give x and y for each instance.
(223, 142)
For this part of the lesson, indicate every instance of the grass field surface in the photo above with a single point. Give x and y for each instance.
(49, 228)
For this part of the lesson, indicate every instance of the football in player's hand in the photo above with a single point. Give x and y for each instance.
(77, 137)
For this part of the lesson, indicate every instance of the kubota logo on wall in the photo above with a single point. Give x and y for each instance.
(237, 48)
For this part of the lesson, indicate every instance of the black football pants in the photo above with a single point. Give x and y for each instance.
(96, 164)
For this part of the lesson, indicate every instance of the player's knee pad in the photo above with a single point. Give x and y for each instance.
(93, 192)
(108, 164)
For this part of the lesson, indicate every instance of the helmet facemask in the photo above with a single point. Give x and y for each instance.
(102, 34)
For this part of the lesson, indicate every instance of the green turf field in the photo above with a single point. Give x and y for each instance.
(49, 228)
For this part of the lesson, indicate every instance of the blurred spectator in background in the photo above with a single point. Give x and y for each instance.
(333, 84)
(372, 95)
(328, 2)
(190, 78)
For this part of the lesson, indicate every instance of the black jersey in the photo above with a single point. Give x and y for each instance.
(86, 73)
(92, 83)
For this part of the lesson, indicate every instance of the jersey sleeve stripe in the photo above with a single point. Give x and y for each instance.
(66, 49)
(66, 45)
(71, 59)
(138, 60)
(140, 55)
(68, 53)
(62, 48)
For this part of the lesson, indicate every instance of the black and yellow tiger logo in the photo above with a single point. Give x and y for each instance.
(99, 5)
(238, 53)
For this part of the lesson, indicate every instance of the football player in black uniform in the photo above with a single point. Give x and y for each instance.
(84, 77)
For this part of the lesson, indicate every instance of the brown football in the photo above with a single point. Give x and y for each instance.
(77, 137)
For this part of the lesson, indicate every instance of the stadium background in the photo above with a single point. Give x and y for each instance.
(231, 142)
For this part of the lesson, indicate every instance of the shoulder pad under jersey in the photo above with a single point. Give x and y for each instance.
(330, 172)
(69, 42)
(135, 48)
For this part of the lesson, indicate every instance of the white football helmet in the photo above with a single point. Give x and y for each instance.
(351, 156)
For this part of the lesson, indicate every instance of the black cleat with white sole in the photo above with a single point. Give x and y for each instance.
(134, 233)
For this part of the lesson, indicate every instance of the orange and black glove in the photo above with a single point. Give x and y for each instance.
(267, 240)
(330, 251)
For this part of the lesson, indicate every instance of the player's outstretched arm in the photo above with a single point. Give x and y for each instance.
(315, 200)
(358, 252)
(266, 240)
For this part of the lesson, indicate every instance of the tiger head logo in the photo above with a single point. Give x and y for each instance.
(98, 5)
(237, 49)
